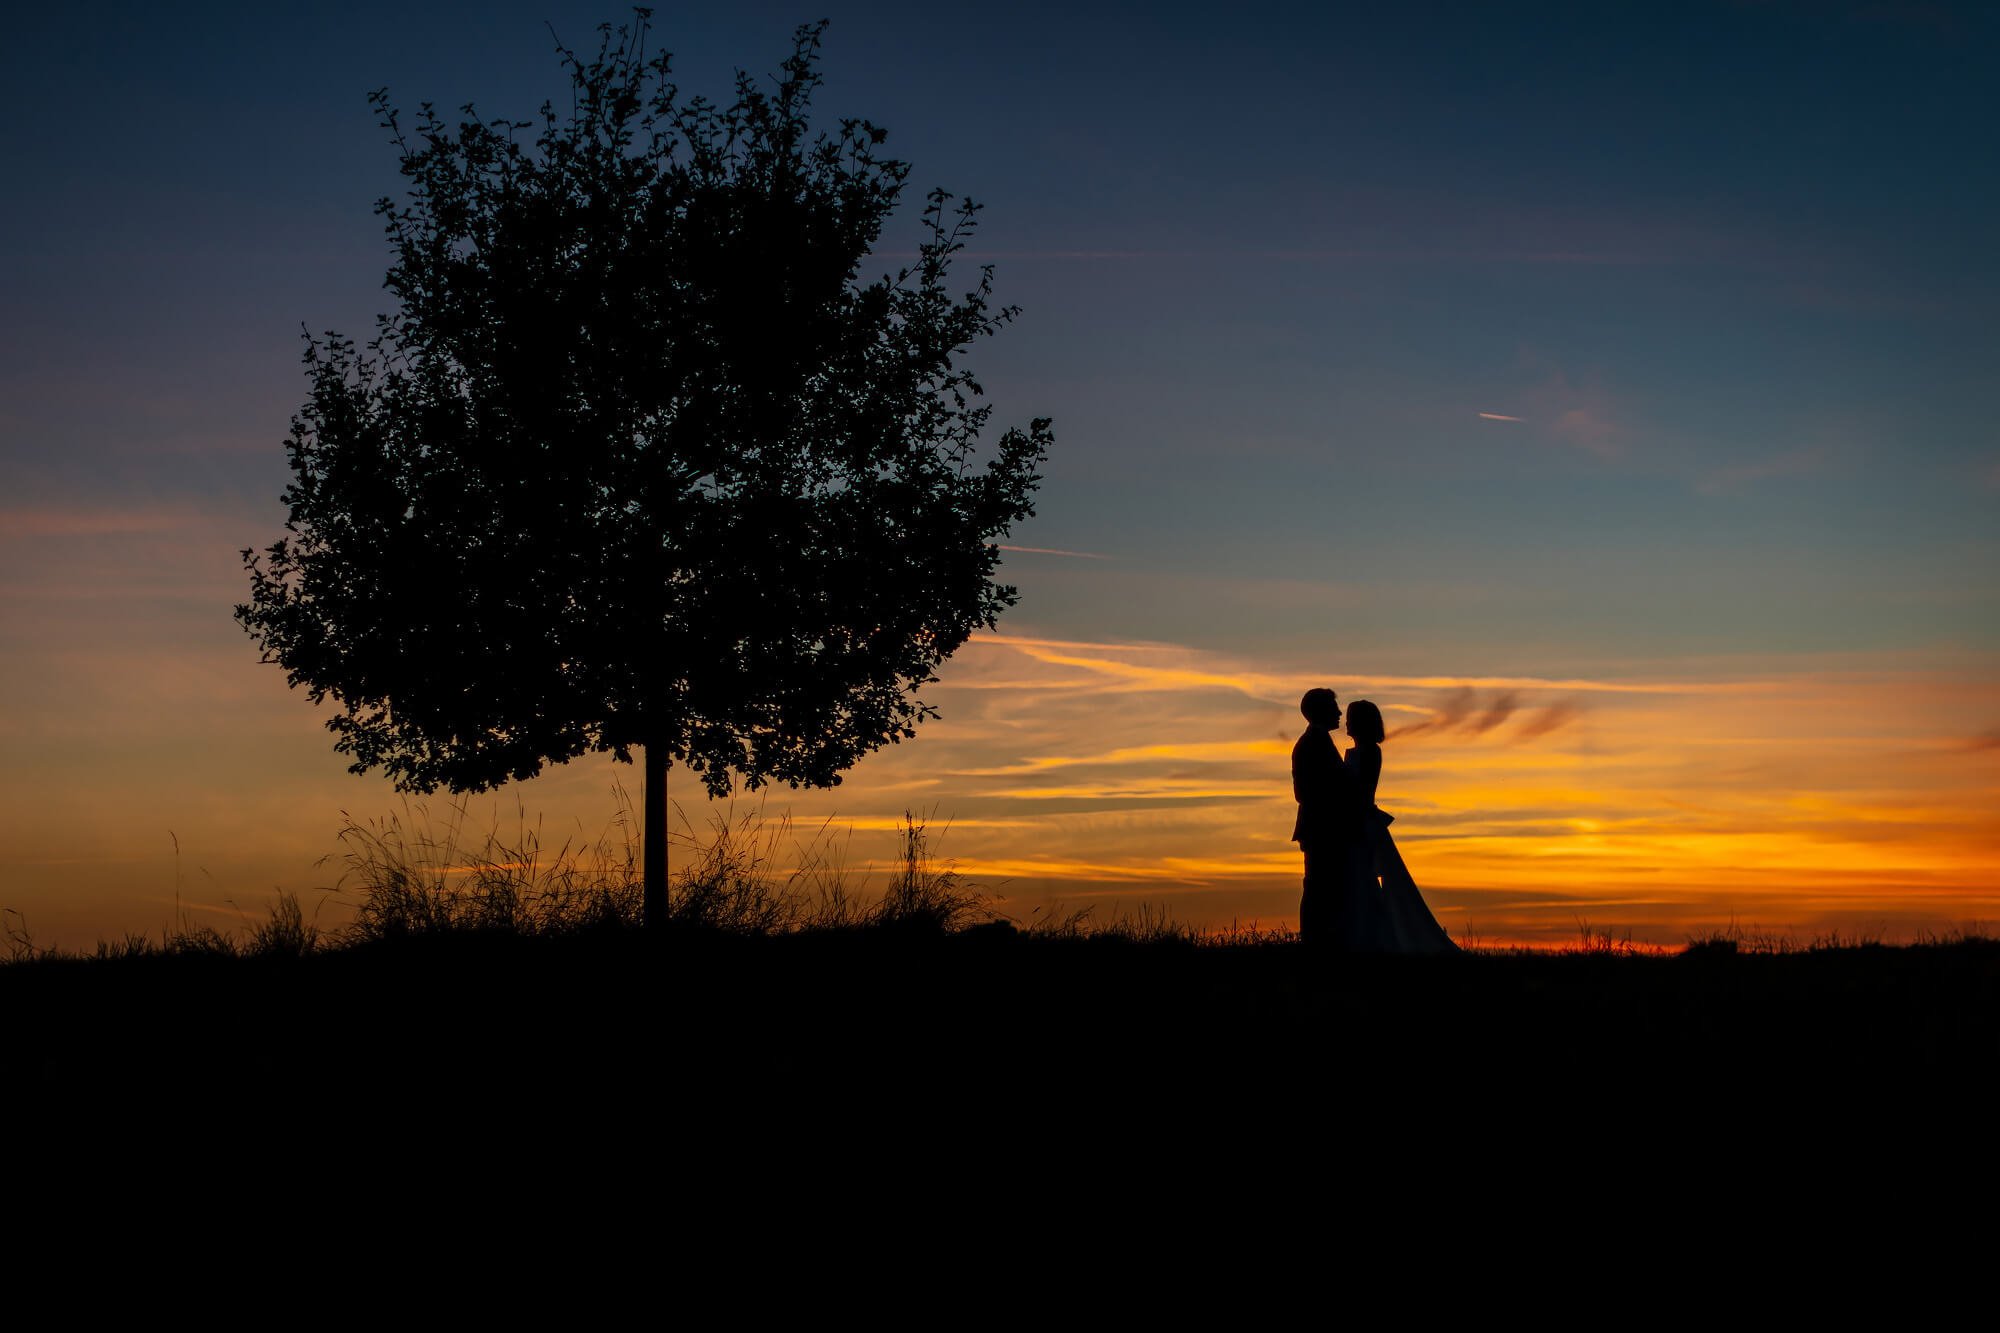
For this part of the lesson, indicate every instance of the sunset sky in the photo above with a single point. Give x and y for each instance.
(1607, 391)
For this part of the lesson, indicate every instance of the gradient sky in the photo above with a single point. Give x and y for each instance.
(1606, 390)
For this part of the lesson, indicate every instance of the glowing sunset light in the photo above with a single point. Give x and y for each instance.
(1662, 808)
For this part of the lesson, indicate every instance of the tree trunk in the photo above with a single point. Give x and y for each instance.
(653, 795)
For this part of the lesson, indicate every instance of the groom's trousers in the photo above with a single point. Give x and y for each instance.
(1320, 909)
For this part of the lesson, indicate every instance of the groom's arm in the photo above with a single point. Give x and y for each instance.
(1317, 781)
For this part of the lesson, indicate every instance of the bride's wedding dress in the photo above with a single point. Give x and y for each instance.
(1402, 921)
(1390, 914)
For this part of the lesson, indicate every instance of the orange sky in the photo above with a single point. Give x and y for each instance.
(1840, 794)
(1799, 795)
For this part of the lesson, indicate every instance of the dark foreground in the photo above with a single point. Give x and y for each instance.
(774, 1102)
(912, 1108)
(990, 1019)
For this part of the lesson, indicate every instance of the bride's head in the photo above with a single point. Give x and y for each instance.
(1364, 721)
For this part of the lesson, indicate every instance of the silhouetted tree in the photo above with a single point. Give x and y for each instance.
(639, 463)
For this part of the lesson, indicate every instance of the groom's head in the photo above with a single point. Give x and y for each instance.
(1322, 708)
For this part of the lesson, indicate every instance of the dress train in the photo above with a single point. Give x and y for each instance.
(1398, 919)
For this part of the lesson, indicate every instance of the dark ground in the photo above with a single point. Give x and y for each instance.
(977, 1106)
(879, 1016)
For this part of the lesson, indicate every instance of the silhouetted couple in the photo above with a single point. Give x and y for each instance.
(1359, 897)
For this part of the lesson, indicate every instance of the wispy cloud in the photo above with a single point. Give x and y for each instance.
(1738, 477)
(1552, 718)
(1499, 416)
(1441, 254)
(1146, 789)
(80, 522)
(1006, 640)
(1591, 430)
(1577, 409)
(1208, 670)
(1172, 752)
(898, 823)
(1593, 686)
(1461, 711)
(1144, 676)
(1048, 550)
(1498, 710)
(1450, 713)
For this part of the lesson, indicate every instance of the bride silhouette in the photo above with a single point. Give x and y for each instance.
(1390, 915)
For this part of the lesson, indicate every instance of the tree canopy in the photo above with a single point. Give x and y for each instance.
(640, 460)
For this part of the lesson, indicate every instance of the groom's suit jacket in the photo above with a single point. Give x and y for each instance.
(1321, 787)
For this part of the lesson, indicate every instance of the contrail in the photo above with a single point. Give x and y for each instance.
(1500, 416)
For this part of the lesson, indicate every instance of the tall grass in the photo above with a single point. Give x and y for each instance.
(1145, 923)
(416, 874)
(1605, 942)
(925, 895)
(1735, 939)
(285, 932)
(424, 872)
(419, 873)
(16, 940)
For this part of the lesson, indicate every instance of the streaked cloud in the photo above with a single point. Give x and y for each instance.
(1498, 709)
(1046, 550)
(1204, 671)
(1589, 429)
(1552, 718)
(1461, 710)
(1738, 477)
(1151, 789)
(1451, 713)
(1197, 751)
(60, 521)
(1470, 252)
(1499, 416)
(897, 823)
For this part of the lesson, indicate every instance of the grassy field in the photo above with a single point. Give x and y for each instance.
(912, 1003)
(527, 982)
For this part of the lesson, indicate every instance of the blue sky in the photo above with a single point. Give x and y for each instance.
(1730, 263)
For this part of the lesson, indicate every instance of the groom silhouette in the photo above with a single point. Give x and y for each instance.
(1328, 827)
